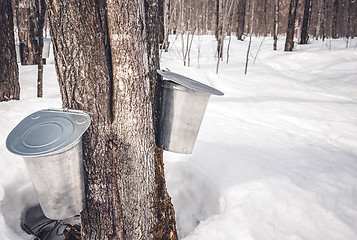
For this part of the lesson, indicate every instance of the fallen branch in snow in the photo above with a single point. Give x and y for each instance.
(256, 55)
(49, 233)
(29, 229)
(41, 226)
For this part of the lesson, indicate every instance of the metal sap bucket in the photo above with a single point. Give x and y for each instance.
(46, 47)
(184, 103)
(50, 143)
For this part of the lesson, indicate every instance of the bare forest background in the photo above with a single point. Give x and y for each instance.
(317, 19)
(299, 21)
(325, 18)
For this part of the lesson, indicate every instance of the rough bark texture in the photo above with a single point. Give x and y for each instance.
(305, 23)
(167, 10)
(160, 19)
(219, 34)
(276, 23)
(41, 22)
(321, 22)
(334, 25)
(104, 67)
(165, 226)
(289, 42)
(27, 12)
(9, 77)
(241, 19)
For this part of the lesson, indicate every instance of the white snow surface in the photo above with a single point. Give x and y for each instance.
(275, 158)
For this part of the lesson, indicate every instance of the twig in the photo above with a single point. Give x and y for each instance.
(256, 55)
(28, 228)
(248, 50)
(43, 225)
(49, 233)
(250, 40)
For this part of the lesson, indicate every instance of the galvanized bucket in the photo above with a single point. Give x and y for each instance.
(46, 47)
(50, 143)
(184, 103)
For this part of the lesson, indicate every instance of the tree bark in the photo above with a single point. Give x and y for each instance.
(334, 25)
(305, 23)
(41, 22)
(219, 35)
(27, 12)
(9, 77)
(165, 226)
(167, 10)
(276, 23)
(160, 20)
(241, 18)
(320, 29)
(250, 37)
(265, 19)
(217, 18)
(105, 66)
(289, 42)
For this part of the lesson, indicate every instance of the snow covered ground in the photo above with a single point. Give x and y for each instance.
(276, 156)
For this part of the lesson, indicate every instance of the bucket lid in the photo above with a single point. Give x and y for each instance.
(47, 131)
(189, 83)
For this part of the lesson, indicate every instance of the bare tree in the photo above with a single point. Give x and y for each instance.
(320, 30)
(229, 25)
(167, 14)
(348, 28)
(241, 18)
(104, 61)
(41, 23)
(305, 23)
(219, 32)
(27, 12)
(289, 42)
(276, 23)
(9, 77)
(250, 37)
(334, 23)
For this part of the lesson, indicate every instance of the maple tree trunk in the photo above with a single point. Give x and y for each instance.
(167, 10)
(9, 77)
(276, 23)
(105, 57)
(289, 42)
(27, 12)
(305, 23)
(41, 22)
(241, 18)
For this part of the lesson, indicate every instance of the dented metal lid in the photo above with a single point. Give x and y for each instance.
(47, 132)
(189, 83)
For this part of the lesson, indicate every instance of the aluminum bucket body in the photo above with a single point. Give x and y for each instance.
(58, 182)
(184, 102)
(181, 116)
(46, 47)
(50, 141)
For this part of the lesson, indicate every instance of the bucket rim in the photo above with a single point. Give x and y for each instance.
(188, 82)
(178, 87)
(47, 132)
